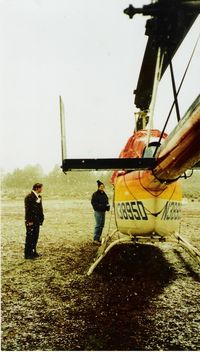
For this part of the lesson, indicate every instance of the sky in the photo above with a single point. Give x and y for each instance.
(89, 53)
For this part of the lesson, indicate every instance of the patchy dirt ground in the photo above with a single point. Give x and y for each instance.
(139, 298)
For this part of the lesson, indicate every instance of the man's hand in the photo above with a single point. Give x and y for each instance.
(29, 223)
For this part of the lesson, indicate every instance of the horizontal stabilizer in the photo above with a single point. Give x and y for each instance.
(108, 164)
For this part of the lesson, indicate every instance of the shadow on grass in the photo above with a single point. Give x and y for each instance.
(122, 287)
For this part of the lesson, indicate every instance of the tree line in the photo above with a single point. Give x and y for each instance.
(74, 184)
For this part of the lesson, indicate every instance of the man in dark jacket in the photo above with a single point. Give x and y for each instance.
(34, 218)
(100, 205)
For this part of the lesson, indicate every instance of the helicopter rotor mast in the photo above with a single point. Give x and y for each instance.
(169, 23)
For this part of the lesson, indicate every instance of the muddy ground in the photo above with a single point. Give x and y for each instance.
(139, 298)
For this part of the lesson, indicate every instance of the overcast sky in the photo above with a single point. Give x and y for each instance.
(90, 53)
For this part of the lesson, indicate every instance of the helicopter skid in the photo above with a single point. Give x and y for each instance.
(193, 251)
(106, 246)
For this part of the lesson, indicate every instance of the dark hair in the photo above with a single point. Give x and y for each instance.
(37, 185)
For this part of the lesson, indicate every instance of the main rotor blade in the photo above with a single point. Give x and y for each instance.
(170, 22)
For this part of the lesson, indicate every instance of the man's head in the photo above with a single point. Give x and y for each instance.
(37, 187)
(100, 185)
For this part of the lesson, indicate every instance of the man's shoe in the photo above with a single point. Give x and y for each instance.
(36, 255)
(97, 242)
(29, 257)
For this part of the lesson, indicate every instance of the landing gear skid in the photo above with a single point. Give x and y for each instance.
(105, 246)
(193, 251)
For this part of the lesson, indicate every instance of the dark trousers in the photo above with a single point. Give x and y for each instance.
(32, 234)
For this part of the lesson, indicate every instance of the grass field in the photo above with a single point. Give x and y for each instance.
(143, 298)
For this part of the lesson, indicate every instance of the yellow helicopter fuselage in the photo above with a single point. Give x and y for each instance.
(143, 210)
(149, 201)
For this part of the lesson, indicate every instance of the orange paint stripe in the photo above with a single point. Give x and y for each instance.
(132, 189)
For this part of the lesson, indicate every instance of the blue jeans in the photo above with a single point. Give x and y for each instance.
(100, 221)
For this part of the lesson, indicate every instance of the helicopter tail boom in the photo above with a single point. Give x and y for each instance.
(181, 150)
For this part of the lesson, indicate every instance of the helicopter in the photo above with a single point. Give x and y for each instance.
(146, 177)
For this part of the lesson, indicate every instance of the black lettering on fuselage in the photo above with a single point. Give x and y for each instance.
(172, 211)
(134, 210)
